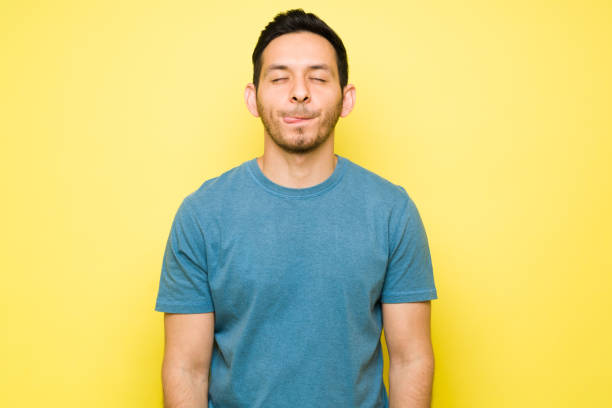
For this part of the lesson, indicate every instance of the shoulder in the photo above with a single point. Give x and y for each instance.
(375, 187)
(211, 195)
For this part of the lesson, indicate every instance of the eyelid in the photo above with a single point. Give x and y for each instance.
(318, 79)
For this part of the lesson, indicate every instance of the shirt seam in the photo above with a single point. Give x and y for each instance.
(296, 197)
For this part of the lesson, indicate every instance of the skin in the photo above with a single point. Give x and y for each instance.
(299, 155)
(411, 357)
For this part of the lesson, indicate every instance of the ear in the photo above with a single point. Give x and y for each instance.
(250, 98)
(349, 100)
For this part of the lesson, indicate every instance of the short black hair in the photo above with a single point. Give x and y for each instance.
(297, 20)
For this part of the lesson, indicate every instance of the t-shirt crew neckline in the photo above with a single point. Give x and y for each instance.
(289, 192)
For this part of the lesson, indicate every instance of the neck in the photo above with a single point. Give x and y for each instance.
(298, 170)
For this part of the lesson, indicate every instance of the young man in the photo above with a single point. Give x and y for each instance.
(279, 273)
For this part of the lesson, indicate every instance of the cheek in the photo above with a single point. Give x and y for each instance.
(268, 102)
(331, 97)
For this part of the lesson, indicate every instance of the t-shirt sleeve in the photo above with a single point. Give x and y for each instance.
(183, 285)
(409, 276)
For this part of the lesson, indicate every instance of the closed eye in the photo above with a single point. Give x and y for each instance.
(316, 79)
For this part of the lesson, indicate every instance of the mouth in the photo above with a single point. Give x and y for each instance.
(296, 119)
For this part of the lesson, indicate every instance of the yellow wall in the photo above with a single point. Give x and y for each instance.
(495, 117)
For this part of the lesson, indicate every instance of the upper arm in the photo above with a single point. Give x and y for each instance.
(189, 341)
(409, 276)
(407, 330)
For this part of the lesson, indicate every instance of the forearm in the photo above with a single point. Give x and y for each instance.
(184, 389)
(410, 384)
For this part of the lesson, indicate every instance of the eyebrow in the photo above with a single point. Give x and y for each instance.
(285, 67)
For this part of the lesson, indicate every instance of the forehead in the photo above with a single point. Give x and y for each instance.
(300, 49)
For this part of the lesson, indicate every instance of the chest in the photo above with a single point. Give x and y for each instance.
(294, 253)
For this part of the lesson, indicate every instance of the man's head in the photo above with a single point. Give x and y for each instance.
(295, 21)
(300, 71)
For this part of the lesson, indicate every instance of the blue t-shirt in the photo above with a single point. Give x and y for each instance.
(296, 277)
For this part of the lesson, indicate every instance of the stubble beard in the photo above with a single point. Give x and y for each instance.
(298, 142)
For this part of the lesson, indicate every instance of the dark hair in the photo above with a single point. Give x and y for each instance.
(297, 20)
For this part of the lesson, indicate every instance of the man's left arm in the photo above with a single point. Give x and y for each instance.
(411, 359)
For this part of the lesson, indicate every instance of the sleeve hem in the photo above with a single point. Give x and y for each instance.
(184, 307)
(417, 296)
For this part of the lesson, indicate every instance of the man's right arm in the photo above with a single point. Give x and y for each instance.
(187, 354)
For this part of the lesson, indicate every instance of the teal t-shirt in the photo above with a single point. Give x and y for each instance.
(296, 277)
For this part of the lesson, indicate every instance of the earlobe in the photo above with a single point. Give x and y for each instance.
(250, 98)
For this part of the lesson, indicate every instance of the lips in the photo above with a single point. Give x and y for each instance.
(296, 119)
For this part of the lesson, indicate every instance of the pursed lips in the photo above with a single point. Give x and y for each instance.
(296, 119)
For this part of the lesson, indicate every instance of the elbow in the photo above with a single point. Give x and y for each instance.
(425, 359)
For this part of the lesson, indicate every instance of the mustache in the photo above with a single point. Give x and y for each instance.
(300, 114)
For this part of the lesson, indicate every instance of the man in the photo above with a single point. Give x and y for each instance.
(279, 273)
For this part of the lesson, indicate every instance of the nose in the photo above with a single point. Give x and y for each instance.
(300, 92)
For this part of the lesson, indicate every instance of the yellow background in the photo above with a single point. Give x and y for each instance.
(495, 117)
